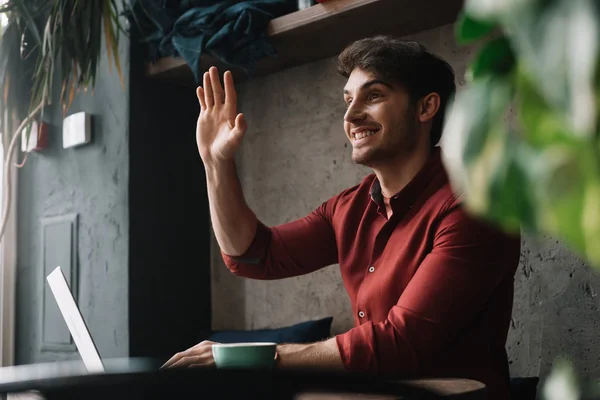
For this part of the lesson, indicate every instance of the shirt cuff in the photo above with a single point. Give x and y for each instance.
(376, 349)
(255, 254)
(357, 350)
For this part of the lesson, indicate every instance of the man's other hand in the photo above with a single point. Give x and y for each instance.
(198, 356)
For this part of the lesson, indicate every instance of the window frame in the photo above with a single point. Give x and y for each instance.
(8, 264)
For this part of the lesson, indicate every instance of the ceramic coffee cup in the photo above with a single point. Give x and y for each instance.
(244, 355)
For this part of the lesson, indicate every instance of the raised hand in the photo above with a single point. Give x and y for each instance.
(220, 128)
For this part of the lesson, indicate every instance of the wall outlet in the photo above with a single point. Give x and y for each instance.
(38, 137)
(77, 129)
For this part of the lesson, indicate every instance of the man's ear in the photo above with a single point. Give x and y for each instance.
(429, 105)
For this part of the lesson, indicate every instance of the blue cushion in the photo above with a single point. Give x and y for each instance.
(524, 388)
(304, 332)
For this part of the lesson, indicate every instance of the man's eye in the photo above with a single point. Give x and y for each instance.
(348, 102)
(374, 96)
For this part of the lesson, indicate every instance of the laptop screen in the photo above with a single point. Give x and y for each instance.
(70, 312)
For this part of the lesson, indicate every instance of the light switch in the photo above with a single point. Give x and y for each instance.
(77, 129)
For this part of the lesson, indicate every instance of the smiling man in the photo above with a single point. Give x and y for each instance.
(431, 288)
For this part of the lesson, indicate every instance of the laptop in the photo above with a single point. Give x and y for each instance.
(72, 316)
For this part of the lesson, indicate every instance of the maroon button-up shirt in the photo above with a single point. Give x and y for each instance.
(431, 288)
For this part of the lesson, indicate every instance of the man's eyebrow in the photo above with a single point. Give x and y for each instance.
(370, 83)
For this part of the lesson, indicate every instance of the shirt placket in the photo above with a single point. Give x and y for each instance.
(381, 241)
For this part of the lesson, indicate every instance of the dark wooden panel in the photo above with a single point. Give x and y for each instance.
(169, 226)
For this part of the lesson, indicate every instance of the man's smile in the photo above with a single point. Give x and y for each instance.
(360, 135)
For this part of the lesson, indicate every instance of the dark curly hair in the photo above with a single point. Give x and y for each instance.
(405, 63)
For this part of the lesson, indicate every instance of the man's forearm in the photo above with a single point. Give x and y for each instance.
(316, 355)
(234, 223)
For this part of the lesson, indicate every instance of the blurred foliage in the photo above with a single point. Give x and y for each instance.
(563, 383)
(522, 136)
(44, 37)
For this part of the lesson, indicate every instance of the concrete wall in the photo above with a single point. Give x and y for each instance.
(295, 156)
(91, 181)
(143, 232)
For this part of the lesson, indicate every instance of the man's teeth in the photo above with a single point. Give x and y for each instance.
(364, 134)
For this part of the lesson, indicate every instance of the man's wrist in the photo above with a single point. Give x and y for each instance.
(289, 355)
(279, 353)
(214, 169)
(320, 355)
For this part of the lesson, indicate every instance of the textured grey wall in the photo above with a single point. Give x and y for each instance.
(556, 311)
(295, 156)
(92, 181)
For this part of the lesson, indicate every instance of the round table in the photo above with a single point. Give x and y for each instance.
(141, 379)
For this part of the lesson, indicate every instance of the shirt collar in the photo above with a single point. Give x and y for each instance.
(432, 169)
(375, 192)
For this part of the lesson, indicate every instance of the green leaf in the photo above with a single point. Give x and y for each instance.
(25, 12)
(561, 196)
(495, 58)
(496, 9)
(469, 29)
(565, 170)
(474, 111)
(558, 43)
(501, 183)
(542, 125)
(511, 187)
(472, 147)
(581, 65)
(590, 221)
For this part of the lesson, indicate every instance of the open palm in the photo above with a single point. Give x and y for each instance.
(220, 128)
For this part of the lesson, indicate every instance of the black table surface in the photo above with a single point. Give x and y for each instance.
(142, 379)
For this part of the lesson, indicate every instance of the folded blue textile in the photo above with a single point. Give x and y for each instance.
(303, 332)
(233, 31)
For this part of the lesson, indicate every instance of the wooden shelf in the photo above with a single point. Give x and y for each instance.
(323, 30)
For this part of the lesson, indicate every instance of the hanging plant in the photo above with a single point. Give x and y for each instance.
(43, 40)
(48, 37)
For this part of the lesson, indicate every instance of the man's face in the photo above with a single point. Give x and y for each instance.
(380, 121)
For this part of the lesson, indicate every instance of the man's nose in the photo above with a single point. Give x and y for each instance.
(355, 112)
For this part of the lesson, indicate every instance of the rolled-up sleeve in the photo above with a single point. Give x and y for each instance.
(295, 248)
(451, 287)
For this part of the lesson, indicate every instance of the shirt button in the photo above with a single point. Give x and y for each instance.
(371, 269)
(361, 314)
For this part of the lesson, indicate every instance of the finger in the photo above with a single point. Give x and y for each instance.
(186, 362)
(230, 94)
(208, 91)
(204, 343)
(200, 94)
(216, 85)
(173, 360)
(202, 348)
(208, 364)
(237, 133)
